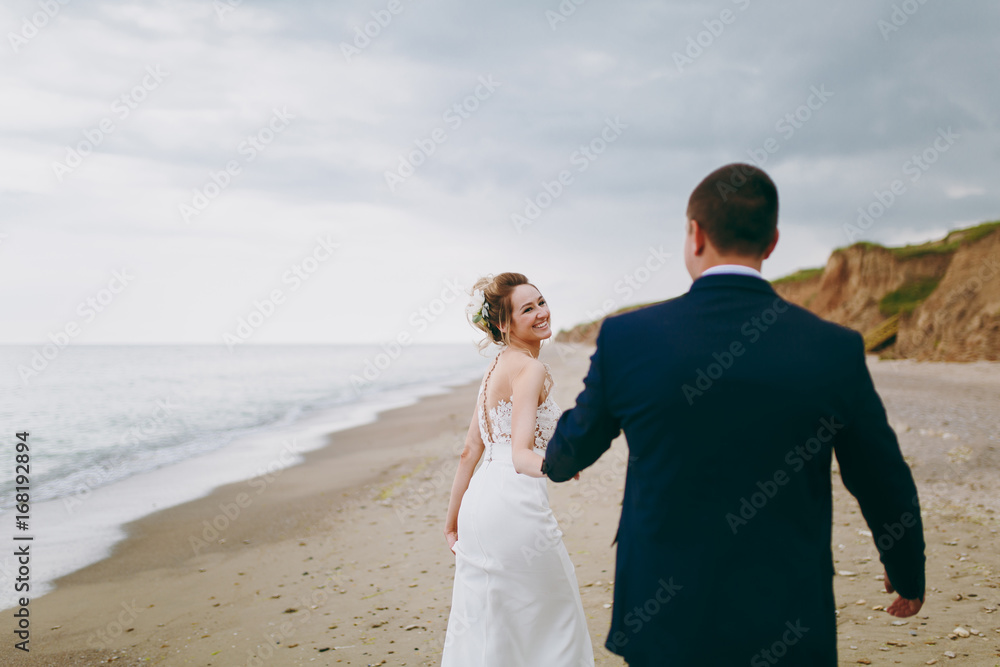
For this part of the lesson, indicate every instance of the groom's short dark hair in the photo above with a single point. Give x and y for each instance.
(737, 207)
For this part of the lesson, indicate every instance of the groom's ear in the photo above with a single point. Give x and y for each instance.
(699, 236)
(770, 247)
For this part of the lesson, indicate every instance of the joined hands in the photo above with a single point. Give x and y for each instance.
(901, 607)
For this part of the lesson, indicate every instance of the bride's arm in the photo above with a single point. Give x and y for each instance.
(527, 389)
(470, 456)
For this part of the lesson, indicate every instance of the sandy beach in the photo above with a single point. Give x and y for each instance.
(342, 560)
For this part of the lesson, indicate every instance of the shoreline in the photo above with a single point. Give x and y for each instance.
(226, 500)
(172, 547)
(86, 526)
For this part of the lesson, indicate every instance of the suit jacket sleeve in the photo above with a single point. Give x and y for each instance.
(584, 432)
(873, 470)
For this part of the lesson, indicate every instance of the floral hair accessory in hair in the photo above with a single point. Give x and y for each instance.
(479, 309)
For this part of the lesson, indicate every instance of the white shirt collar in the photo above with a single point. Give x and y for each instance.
(732, 268)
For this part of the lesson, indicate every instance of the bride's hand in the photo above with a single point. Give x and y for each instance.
(452, 537)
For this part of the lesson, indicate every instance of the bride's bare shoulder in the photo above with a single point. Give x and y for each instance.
(524, 365)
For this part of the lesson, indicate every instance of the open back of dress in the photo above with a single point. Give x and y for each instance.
(496, 410)
(515, 601)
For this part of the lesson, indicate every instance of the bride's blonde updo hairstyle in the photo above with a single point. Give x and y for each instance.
(496, 311)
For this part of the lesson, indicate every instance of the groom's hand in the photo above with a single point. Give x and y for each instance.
(901, 607)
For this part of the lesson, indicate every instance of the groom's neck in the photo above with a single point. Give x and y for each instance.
(718, 260)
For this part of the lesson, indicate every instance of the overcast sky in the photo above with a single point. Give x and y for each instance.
(170, 168)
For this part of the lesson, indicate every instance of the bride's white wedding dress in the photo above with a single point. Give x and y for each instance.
(516, 602)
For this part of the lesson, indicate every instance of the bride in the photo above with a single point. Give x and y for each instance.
(515, 601)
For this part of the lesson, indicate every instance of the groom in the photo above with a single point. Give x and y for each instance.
(733, 402)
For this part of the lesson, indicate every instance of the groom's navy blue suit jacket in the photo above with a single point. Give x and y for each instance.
(733, 402)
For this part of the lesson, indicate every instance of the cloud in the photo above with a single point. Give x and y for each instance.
(835, 107)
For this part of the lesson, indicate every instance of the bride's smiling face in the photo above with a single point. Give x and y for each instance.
(529, 319)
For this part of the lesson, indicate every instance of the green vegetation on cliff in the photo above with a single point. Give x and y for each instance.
(907, 297)
(949, 244)
(799, 276)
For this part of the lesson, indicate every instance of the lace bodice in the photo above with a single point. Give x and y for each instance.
(497, 433)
